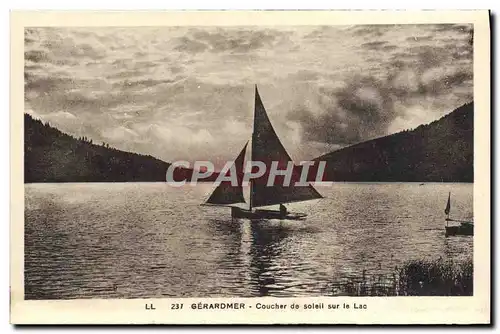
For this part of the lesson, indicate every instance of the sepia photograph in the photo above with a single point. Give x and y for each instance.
(251, 160)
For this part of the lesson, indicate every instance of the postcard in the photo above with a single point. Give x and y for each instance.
(250, 167)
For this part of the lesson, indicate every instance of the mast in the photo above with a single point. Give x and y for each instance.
(447, 209)
(250, 201)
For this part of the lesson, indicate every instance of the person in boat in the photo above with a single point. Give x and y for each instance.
(283, 210)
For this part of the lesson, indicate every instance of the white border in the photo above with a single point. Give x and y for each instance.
(186, 4)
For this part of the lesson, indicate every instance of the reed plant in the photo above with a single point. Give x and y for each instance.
(414, 278)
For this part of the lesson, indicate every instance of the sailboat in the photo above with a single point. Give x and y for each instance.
(266, 148)
(464, 228)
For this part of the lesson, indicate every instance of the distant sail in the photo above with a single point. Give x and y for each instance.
(226, 193)
(447, 209)
(266, 147)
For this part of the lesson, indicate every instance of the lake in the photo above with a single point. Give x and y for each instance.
(150, 240)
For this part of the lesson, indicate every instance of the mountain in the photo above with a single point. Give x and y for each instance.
(53, 156)
(442, 151)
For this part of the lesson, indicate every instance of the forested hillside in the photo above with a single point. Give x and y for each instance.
(442, 151)
(53, 156)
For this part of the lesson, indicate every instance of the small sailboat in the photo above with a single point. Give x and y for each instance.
(266, 148)
(463, 228)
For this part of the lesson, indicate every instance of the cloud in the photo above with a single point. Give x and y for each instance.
(119, 133)
(450, 28)
(360, 110)
(190, 45)
(220, 40)
(376, 45)
(146, 83)
(415, 79)
(419, 38)
(371, 30)
(187, 92)
(35, 56)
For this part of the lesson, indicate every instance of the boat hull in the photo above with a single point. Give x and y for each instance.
(266, 214)
(462, 229)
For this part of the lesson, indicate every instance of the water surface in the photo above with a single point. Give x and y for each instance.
(145, 240)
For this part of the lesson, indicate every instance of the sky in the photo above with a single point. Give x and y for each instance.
(187, 93)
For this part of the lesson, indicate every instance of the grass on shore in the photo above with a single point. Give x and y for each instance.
(415, 278)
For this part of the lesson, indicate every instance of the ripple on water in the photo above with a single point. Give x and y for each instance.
(148, 240)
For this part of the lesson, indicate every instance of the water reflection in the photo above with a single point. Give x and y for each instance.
(251, 248)
(266, 246)
(154, 241)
